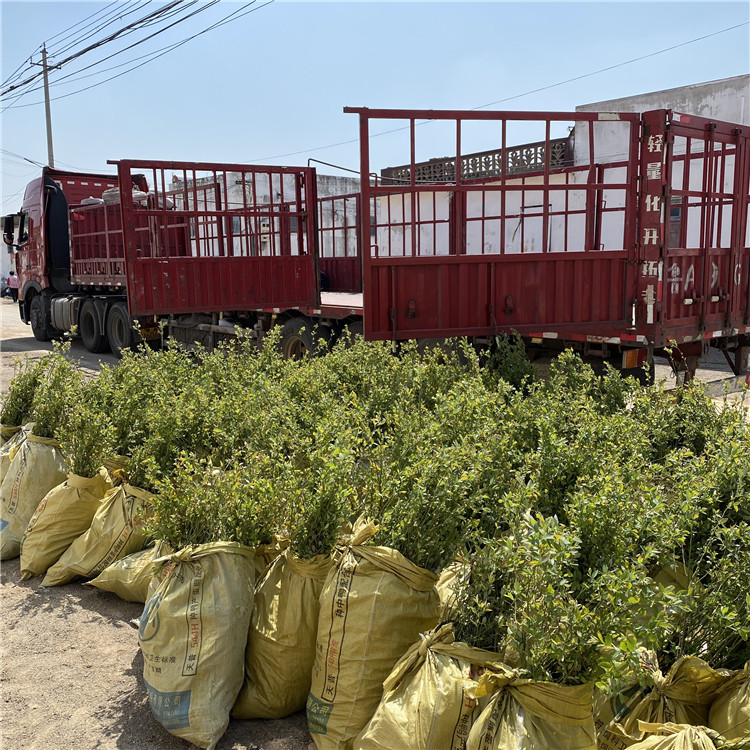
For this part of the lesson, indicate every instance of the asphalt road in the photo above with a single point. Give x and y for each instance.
(18, 340)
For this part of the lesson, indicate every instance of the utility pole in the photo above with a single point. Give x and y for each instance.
(50, 153)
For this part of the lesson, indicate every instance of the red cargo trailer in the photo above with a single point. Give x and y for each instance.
(619, 234)
(634, 241)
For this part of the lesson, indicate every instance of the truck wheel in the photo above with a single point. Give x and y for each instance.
(350, 332)
(90, 329)
(645, 375)
(38, 319)
(120, 331)
(301, 337)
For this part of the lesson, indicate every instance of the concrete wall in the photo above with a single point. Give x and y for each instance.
(726, 99)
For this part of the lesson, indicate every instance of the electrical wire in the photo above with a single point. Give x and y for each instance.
(509, 98)
(159, 53)
(20, 156)
(14, 75)
(78, 23)
(103, 23)
(100, 43)
(13, 100)
(135, 44)
(17, 73)
(613, 67)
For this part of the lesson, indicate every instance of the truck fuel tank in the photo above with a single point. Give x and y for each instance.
(64, 312)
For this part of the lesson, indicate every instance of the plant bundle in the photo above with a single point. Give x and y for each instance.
(18, 402)
(199, 503)
(58, 388)
(87, 435)
(597, 515)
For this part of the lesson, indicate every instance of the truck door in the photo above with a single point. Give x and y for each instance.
(706, 255)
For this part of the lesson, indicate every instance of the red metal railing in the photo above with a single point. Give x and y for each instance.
(98, 247)
(189, 244)
(642, 238)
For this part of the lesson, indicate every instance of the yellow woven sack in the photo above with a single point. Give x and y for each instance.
(373, 606)
(115, 465)
(130, 577)
(115, 532)
(429, 698)
(266, 554)
(192, 633)
(528, 715)
(730, 711)
(682, 696)
(64, 514)
(609, 709)
(7, 432)
(10, 446)
(671, 736)
(36, 466)
(281, 645)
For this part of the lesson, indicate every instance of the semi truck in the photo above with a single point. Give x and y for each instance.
(623, 235)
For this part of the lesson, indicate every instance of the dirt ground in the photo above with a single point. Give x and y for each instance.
(72, 677)
(71, 672)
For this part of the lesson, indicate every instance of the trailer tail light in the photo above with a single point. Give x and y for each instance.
(634, 358)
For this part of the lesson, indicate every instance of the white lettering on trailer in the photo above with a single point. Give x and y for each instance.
(653, 202)
(650, 268)
(650, 297)
(650, 236)
(655, 142)
(653, 170)
(675, 278)
(689, 277)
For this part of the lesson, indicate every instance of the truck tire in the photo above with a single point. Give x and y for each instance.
(350, 332)
(38, 319)
(120, 331)
(645, 375)
(90, 328)
(301, 337)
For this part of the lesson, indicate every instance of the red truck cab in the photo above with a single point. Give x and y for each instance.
(39, 236)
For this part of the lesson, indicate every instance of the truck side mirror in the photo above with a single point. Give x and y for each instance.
(14, 231)
(8, 230)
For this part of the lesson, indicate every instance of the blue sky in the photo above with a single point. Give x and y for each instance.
(270, 87)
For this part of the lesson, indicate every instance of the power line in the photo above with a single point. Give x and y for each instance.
(135, 44)
(20, 156)
(17, 72)
(16, 97)
(154, 55)
(100, 43)
(78, 23)
(102, 23)
(515, 96)
(617, 65)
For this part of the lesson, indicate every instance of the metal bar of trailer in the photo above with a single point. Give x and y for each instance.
(456, 114)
